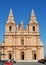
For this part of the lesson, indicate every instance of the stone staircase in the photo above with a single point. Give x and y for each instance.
(28, 63)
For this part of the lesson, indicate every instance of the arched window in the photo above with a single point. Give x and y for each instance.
(10, 28)
(22, 41)
(33, 28)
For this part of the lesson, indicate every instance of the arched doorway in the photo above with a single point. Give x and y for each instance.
(10, 55)
(34, 55)
(22, 55)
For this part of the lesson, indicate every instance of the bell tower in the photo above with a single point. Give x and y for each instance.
(10, 24)
(33, 26)
(10, 30)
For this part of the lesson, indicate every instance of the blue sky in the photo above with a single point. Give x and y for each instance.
(22, 11)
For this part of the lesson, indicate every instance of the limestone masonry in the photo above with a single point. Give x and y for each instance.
(20, 43)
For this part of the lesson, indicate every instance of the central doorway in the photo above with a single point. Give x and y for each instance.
(22, 55)
(10, 55)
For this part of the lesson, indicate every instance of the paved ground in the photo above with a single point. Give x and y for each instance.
(28, 63)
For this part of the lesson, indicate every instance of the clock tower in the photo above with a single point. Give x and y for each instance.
(33, 26)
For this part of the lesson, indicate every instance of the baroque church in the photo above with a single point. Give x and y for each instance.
(20, 43)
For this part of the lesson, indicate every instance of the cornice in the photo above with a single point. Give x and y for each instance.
(21, 46)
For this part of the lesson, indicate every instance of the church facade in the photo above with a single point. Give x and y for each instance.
(20, 43)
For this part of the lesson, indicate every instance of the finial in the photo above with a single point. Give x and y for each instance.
(10, 14)
(17, 26)
(22, 22)
(21, 25)
(10, 10)
(32, 14)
